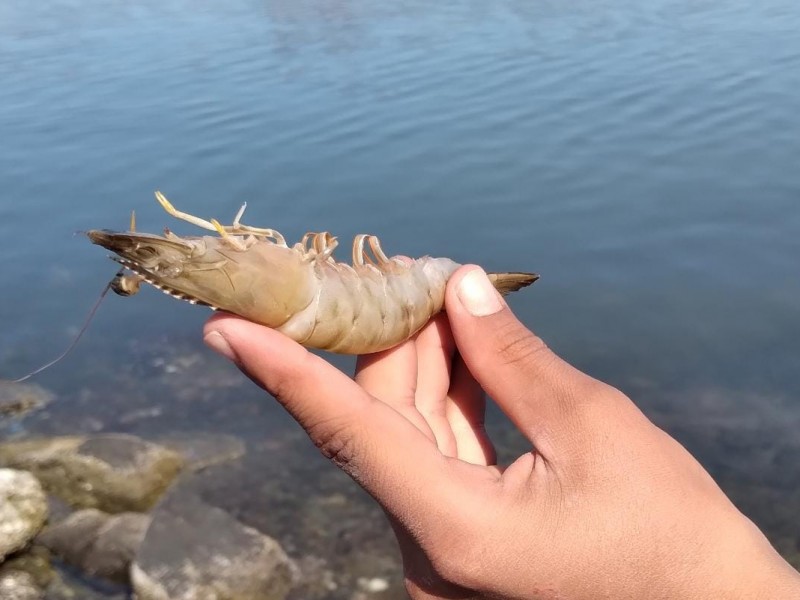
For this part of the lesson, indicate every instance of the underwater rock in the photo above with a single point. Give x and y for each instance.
(111, 472)
(19, 585)
(194, 550)
(70, 585)
(201, 450)
(99, 544)
(23, 510)
(16, 399)
(35, 562)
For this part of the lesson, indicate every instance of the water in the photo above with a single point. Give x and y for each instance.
(642, 158)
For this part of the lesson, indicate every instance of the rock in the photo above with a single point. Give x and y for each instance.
(67, 585)
(117, 543)
(317, 579)
(72, 539)
(23, 510)
(193, 550)
(19, 585)
(372, 585)
(99, 544)
(201, 450)
(35, 562)
(111, 472)
(16, 399)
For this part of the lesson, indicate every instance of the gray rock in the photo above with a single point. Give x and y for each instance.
(117, 543)
(19, 585)
(111, 472)
(99, 544)
(195, 551)
(23, 510)
(72, 539)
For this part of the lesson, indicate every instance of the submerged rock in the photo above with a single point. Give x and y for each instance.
(35, 562)
(23, 510)
(16, 399)
(193, 550)
(112, 472)
(19, 585)
(99, 544)
(201, 450)
(68, 585)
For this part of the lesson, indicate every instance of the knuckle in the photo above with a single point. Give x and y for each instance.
(337, 442)
(517, 345)
(281, 388)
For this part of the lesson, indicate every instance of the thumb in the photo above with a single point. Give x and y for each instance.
(534, 387)
(378, 448)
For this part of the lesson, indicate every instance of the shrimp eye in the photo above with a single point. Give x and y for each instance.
(126, 285)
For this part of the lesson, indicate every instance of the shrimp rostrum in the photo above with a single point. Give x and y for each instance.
(300, 290)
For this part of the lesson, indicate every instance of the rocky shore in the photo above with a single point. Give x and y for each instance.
(112, 515)
(127, 517)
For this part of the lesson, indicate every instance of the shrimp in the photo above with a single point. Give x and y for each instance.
(300, 290)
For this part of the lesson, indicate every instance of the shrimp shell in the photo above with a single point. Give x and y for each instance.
(301, 290)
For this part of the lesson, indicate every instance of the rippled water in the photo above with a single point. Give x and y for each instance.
(643, 157)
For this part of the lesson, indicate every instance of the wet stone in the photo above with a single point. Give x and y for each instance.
(67, 585)
(23, 510)
(194, 550)
(317, 579)
(119, 452)
(19, 585)
(35, 561)
(201, 450)
(111, 472)
(99, 544)
(372, 585)
(17, 399)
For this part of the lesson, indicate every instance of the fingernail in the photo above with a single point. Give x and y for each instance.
(217, 342)
(478, 295)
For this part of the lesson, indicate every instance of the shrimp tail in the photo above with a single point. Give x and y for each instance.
(505, 283)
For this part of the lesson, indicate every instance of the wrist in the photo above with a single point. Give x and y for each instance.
(748, 567)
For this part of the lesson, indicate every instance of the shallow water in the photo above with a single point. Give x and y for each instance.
(643, 159)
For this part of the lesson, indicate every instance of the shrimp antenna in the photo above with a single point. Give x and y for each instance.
(83, 329)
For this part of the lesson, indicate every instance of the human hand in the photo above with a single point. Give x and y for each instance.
(605, 505)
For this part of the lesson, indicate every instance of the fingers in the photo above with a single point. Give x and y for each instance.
(466, 411)
(414, 378)
(448, 408)
(391, 377)
(385, 453)
(534, 387)
(435, 349)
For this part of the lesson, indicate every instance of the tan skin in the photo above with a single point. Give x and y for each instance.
(605, 505)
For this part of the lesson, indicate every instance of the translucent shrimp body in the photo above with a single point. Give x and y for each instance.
(301, 291)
